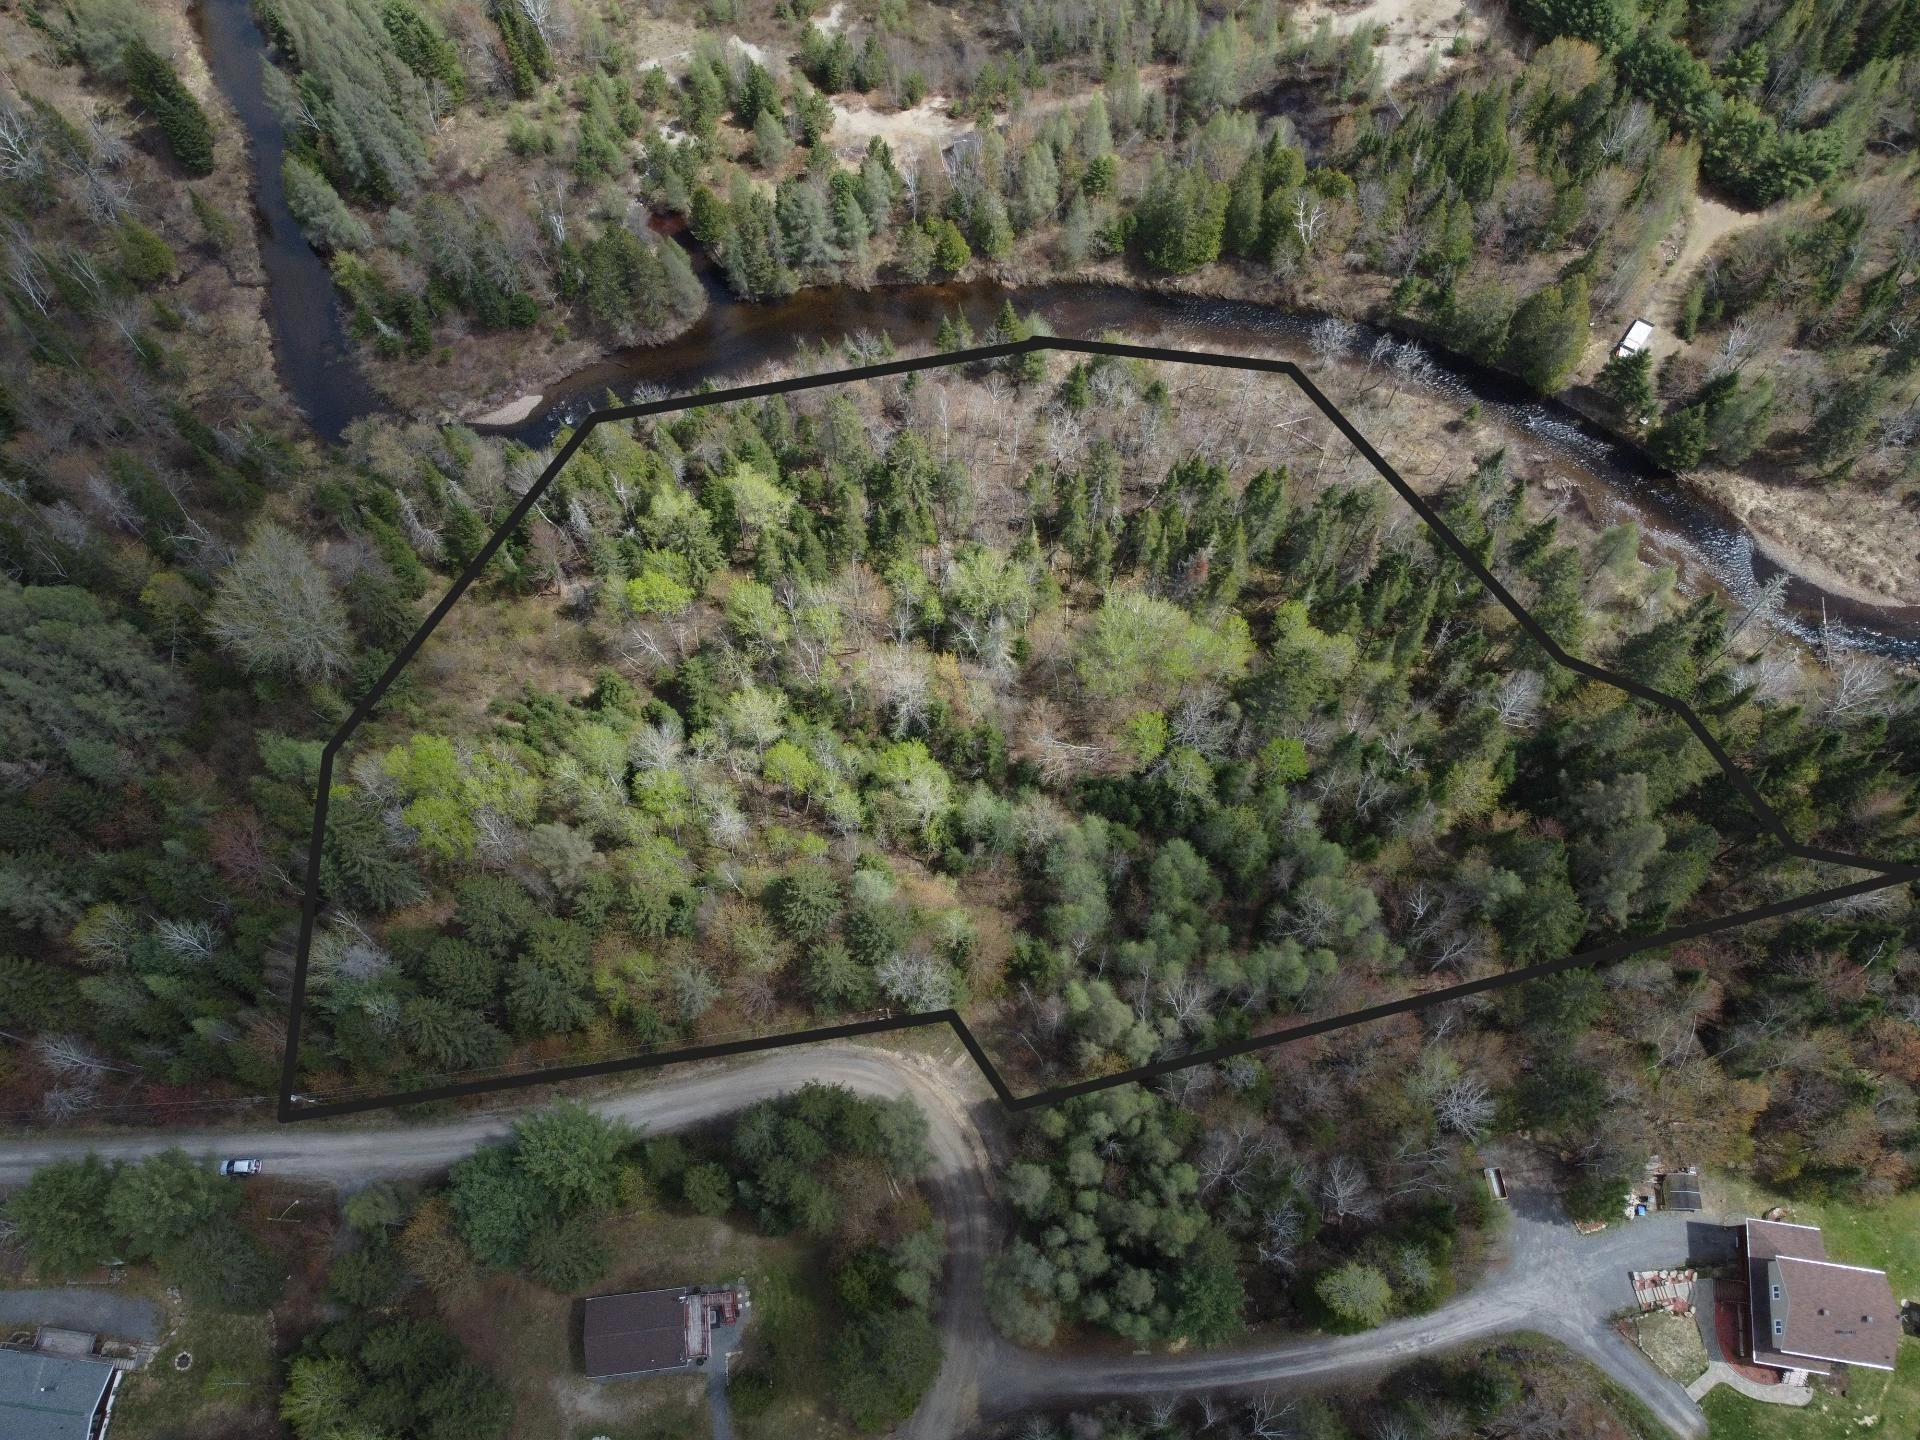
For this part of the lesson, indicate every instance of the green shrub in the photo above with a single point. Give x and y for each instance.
(145, 259)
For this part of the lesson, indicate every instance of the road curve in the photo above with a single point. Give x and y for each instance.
(959, 1113)
(1550, 1282)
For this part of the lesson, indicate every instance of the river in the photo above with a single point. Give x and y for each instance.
(318, 364)
(318, 369)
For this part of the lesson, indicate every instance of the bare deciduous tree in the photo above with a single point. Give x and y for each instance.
(68, 1055)
(1517, 701)
(276, 611)
(1345, 1191)
(71, 1100)
(1309, 218)
(21, 156)
(1466, 1106)
(194, 940)
(1280, 1233)
(26, 271)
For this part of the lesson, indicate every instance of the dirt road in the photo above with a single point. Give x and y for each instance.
(1549, 1279)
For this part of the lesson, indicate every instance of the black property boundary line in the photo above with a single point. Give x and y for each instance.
(1884, 874)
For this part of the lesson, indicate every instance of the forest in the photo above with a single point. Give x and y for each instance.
(1119, 706)
(1123, 746)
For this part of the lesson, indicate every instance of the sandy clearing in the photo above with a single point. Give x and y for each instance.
(746, 47)
(669, 45)
(831, 22)
(1414, 27)
(511, 413)
(927, 125)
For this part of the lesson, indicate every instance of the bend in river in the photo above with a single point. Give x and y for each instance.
(319, 369)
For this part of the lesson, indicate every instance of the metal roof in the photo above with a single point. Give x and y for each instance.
(1639, 333)
(1682, 1191)
(49, 1397)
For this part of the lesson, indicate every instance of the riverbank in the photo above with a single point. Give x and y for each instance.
(499, 380)
(1225, 310)
(1855, 542)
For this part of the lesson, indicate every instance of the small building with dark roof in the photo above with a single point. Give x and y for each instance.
(1811, 1313)
(1680, 1190)
(653, 1332)
(54, 1397)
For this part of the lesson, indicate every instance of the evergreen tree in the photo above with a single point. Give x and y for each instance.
(1627, 380)
(950, 251)
(328, 223)
(992, 232)
(61, 1215)
(420, 42)
(1679, 441)
(528, 59)
(1180, 220)
(1242, 230)
(1607, 23)
(1548, 334)
(158, 91)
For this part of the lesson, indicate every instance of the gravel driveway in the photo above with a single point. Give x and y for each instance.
(1546, 1278)
(75, 1307)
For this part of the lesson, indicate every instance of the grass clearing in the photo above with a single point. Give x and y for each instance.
(1589, 1402)
(688, 1422)
(1875, 1402)
(1886, 1236)
(529, 1336)
(232, 1377)
(788, 1340)
(1673, 1343)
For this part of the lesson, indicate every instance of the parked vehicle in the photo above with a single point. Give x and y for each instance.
(239, 1167)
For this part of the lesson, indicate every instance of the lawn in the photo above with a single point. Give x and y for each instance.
(1673, 1343)
(787, 1341)
(232, 1374)
(528, 1335)
(1886, 1236)
(1876, 1399)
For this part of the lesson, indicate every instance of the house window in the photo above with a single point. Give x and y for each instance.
(1779, 1327)
(1776, 1292)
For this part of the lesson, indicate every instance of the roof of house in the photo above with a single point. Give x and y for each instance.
(1807, 1308)
(49, 1397)
(634, 1333)
(1636, 338)
(1768, 1239)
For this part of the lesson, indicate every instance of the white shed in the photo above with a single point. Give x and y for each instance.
(1639, 333)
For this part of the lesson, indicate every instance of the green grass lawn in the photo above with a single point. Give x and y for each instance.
(684, 1422)
(1879, 1404)
(232, 1373)
(1886, 1236)
(788, 1339)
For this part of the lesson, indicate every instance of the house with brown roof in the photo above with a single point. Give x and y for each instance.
(1808, 1312)
(654, 1332)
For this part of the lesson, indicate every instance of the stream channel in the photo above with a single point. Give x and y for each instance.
(731, 339)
